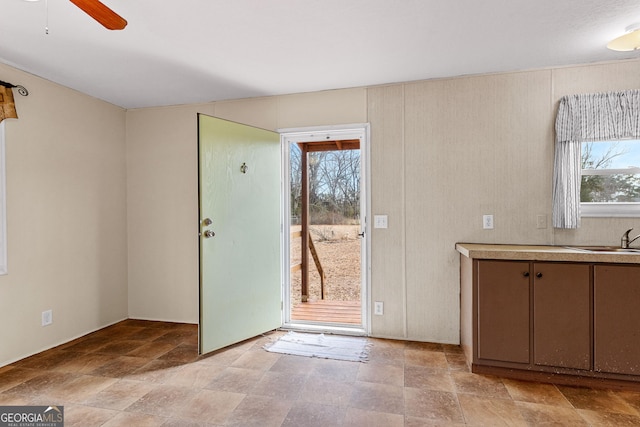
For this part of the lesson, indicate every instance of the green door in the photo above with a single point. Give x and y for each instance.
(240, 237)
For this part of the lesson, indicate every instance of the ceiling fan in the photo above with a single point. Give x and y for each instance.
(101, 13)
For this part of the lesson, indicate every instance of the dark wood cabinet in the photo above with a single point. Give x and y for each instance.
(551, 314)
(554, 296)
(617, 319)
(561, 315)
(503, 311)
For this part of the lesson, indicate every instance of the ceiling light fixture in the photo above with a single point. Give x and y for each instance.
(627, 42)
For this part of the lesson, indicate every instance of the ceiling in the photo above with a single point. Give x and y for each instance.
(192, 51)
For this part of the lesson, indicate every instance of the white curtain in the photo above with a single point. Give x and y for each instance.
(587, 117)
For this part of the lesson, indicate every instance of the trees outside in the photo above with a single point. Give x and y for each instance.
(334, 210)
(334, 186)
(620, 188)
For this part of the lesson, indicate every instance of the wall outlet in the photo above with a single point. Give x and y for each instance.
(380, 221)
(487, 222)
(378, 308)
(541, 221)
(47, 317)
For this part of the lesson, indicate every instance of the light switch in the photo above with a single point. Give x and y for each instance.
(380, 221)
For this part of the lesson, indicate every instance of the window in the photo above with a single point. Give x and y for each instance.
(610, 178)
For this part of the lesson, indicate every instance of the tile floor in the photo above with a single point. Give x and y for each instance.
(140, 373)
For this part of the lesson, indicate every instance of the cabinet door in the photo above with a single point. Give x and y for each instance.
(503, 311)
(617, 319)
(562, 315)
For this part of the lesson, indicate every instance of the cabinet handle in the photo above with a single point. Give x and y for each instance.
(538, 275)
(525, 274)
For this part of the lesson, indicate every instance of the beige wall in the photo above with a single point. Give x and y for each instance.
(66, 217)
(162, 215)
(443, 153)
(463, 148)
(102, 203)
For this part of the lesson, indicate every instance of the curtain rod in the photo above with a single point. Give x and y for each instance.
(21, 89)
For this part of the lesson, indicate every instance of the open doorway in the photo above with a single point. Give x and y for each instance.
(326, 210)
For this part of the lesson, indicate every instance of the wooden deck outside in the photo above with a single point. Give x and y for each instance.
(328, 311)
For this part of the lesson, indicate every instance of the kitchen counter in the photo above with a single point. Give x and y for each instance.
(543, 253)
(551, 313)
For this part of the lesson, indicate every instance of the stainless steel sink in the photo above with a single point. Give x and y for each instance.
(603, 249)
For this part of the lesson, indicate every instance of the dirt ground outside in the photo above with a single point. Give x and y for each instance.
(338, 248)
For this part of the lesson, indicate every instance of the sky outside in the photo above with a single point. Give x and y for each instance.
(630, 148)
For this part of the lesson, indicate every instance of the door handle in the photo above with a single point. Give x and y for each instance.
(208, 234)
(361, 234)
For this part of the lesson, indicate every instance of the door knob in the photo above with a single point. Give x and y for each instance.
(208, 234)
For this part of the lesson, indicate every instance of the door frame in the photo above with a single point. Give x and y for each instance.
(318, 133)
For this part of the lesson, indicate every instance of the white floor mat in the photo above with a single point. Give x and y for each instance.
(355, 349)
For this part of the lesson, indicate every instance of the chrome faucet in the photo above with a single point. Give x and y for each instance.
(625, 241)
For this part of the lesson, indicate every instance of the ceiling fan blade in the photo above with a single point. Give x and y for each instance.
(101, 13)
